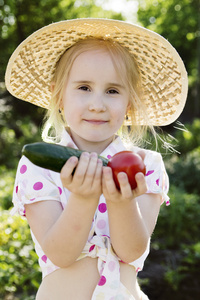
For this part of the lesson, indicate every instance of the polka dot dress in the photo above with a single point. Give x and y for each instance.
(34, 184)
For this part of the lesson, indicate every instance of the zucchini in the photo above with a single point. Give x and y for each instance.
(51, 156)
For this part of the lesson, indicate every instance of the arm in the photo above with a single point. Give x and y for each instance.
(132, 215)
(62, 234)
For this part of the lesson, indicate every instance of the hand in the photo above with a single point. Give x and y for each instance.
(85, 183)
(125, 194)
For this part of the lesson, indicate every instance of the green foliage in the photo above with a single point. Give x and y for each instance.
(180, 221)
(12, 144)
(167, 17)
(184, 172)
(19, 269)
(188, 138)
(188, 269)
(184, 168)
(177, 230)
(176, 223)
(7, 178)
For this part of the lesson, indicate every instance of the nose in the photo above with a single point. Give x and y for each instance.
(97, 103)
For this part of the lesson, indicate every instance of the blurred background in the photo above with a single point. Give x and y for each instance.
(172, 270)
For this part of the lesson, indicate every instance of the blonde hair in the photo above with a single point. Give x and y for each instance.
(127, 69)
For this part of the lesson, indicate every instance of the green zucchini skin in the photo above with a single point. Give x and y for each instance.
(52, 156)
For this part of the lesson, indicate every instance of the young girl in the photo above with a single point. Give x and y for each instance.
(94, 76)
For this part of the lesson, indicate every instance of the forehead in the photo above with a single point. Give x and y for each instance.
(98, 61)
(92, 57)
(89, 58)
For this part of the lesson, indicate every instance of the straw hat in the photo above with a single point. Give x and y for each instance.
(164, 78)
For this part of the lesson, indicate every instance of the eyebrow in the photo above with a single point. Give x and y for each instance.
(110, 83)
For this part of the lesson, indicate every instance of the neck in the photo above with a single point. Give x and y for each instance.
(90, 146)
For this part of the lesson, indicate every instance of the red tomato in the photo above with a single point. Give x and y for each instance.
(128, 162)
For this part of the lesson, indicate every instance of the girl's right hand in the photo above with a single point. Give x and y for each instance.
(86, 181)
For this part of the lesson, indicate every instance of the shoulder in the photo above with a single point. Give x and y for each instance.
(33, 184)
(26, 167)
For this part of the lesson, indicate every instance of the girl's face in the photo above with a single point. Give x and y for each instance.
(94, 100)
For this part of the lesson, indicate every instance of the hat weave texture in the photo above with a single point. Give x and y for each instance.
(164, 79)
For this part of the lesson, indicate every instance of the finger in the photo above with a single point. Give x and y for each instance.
(124, 185)
(68, 169)
(91, 169)
(108, 182)
(98, 173)
(141, 183)
(92, 164)
(96, 182)
(81, 168)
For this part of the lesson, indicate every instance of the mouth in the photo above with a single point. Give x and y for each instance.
(96, 122)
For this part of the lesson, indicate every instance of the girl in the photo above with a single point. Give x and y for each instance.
(91, 238)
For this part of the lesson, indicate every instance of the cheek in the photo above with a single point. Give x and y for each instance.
(70, 116)
(119, 113)
(69, 113)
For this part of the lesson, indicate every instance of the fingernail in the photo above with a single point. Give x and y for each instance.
(85, 154)
(99, 161)
(139, 176)
(73, 159)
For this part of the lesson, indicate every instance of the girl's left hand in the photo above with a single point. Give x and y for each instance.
(111, 193)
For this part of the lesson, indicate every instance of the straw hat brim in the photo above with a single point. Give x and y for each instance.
(164, 79)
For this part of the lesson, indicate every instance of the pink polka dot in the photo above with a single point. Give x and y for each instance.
(44, 258)
(101, 224)
(109, 156)
(38, 186)
(111, 266)
(60, 190)
(32, 199)
(149, 172)
(102, 207)
(23, 169)
(157, 181)
(91, 248)
(102, 280)
(16, 189)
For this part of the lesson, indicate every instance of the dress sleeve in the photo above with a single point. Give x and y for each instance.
(156, 176)
(32, 184)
